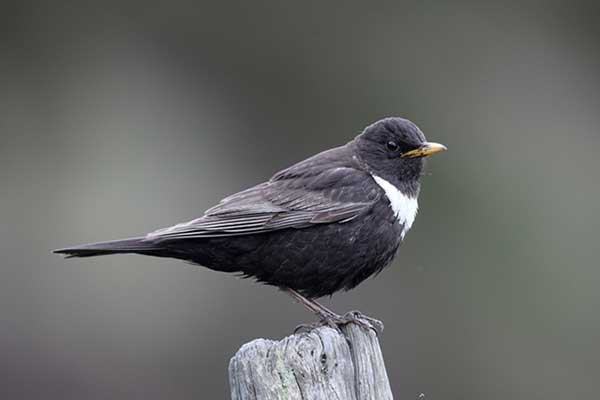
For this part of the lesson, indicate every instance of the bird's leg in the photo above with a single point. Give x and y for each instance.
(331, 319)
(311, 305)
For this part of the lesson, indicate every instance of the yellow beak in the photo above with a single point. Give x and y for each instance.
(428, 149)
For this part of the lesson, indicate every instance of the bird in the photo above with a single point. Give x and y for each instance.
(322, 225)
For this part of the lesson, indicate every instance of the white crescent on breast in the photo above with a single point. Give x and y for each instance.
(405, 207)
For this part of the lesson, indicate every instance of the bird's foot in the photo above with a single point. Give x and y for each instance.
(364, 321)
(335, 321)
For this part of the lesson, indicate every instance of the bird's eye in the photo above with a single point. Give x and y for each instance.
(392, 146)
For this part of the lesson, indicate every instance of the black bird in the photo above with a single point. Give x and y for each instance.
(324, 224)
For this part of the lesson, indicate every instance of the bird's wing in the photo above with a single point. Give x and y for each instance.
(333, 195)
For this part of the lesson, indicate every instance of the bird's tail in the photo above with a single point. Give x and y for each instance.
(138, 245)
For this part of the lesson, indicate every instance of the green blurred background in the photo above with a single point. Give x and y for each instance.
(121, 118)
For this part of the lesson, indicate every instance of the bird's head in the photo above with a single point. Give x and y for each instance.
(394, 149)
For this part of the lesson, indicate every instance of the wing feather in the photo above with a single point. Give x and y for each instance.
(295, 202)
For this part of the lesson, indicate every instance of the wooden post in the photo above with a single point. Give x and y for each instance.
(319, 365)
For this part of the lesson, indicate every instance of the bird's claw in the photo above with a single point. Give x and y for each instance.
(363, 321)
(335, 321)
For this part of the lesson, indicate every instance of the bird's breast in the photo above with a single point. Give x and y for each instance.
(403, 206)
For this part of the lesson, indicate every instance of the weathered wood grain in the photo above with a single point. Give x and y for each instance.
(321, 364)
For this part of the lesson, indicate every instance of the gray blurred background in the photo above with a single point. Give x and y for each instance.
(117, 119)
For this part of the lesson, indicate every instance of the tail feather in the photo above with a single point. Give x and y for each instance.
(132, 245)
